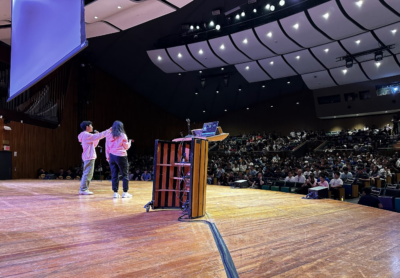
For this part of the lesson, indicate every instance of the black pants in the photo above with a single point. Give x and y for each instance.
(119, 163)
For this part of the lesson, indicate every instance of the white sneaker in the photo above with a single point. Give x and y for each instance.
(116, 195)
(126, 195)
(86, 192)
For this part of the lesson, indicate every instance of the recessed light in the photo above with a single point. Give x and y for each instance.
(378, 64)
(326, 15)
(247, 108)
(200, 71)
(159, 58)
(179, 73)
(245, 41)
(226, 110)
(298, 57)
(359, 3)
(196, 93)
(282, 2)
(357, 114)
(243, 14)
(271, 63)
(197, 27)
(179, 55)
(296, 26)
(237, 16)
(297, 102)
(272, 106)
(217, 91)
(268, 6)
(272, 8)
(247, 68)
(222, 68)
(119, 7)
(385, 111)
(212, 23)
(255, 10)
(335, 117)
(269, 34)
(191, 27)
(222, 47)
(288, 82)
(218, 27)
(357, 42)
(344, 71)
(394, 31)
(96, 17)
(263, 86)
(204, 111)
(326, 50)
(200, 51)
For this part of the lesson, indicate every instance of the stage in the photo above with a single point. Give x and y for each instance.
(48, 230)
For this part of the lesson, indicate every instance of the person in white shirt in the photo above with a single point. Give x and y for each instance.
(346, 174)
(290, 177)
(307, 172)
(300, 178)
(335, 183)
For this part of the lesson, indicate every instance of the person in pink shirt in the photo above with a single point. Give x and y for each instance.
(117, 144)
(322, 181)
(89, 142)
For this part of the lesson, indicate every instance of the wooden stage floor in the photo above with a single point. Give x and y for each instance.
(47, 230)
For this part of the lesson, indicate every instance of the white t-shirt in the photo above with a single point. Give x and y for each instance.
(290, 179)
(300, 179)
(307, 173)
(336, 182)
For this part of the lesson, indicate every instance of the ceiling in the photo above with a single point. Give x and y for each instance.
(273, 54)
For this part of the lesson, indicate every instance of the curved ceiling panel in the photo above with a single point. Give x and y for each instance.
(395, 4)
(331, 21)
(303, 62)
(139, 14)
(5, 11)
(272, 36)
(318, 80)
(182, 57)
(160, 58)
(360, 43)
(344, 75)
(179, 3)
(385, 68)
(247, 42)
(370, 14)
(390, 35)
(300, 29)
(102, 9)
(99, 29)
(277, 67)
(225, 49)
(252, 72)
(328, 53)
(202, 52)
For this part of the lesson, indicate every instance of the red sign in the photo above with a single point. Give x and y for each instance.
(6, 148)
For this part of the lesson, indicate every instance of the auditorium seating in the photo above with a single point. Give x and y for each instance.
(388, 200)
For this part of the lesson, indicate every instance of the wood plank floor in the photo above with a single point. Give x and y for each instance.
(47, 230)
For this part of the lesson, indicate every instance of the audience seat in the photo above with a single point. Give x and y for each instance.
(341, 193)
(388, 201)
(397, 204)
(285, 189)
(290, 184)
(279, 183)
(266, 187)
(351, 190)
(275, 188)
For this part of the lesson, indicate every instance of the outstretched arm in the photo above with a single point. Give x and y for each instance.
(98, 136)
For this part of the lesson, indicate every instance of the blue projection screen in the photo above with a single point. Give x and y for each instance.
(45, 34)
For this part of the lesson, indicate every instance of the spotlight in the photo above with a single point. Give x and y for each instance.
(247, 68)
(263, 85)
(394, 31)
(200, 51)
(159, 58)
(217, 91)
(196, 92)
(269, 34)
(218, 27)
(200, 71)
(222, 68)
(297, 102)
(237, 16)
(179, 73)
(272, 106)
(247, 108)
(191, 27)
(254, 10)
(240, 88)
(349, 62)
(198, 27)
(282, 2)
(272, 8)
(119, 7)
(204, 111)
(379, 56)
(95, 17)
(226, 110)
(268, 6)
(211, 23)
(243, 14)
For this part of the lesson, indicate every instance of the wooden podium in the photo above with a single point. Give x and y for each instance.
(180, 174)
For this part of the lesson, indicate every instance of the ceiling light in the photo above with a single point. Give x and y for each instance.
(255, 10)
(272, 8)
(212, 23)
(226, 110)
(119, 7)
(359, 3)
(198, 27)
(288, 82)
(196, 93)
(247, 108)
(395, 89)
(222, 68)
(296, 26)
(356, 114)
(282, 2)
(378, 64)
(297, 102)
(200, 71)
(385, 111)
(335, 117)
(349, 62)
(394, 31)
(272, 62)
(326, 15)
(268, 6)
(357, 42)
(272, 106)
(243, 14)
(245, 41)
(379, 56)
(204, 111)
(179, 55)
(269, 34)
(298, 57)
(217, 91)
(240, 88)
(222, 47)
(344, 71)
(237, 16)
(179, 73)
(326, 50)
(247, 68)
(191, 27)
(218, 27)
(95, 17)
(263, 85)
(200, 51)
(159, 58)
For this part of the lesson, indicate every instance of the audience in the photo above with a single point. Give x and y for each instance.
(368, 200)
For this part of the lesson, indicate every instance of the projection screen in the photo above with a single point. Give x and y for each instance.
(45, 34)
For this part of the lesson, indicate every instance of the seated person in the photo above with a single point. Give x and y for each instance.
(346, 174)
(310, 182)
(69, 175)
(61, 175)
(368, 200)
(258, 182)
(299, 178)
(322, 181)
(146, 176)
(290, 177)
(361, 177)
(335, 183)
(136, 176)
(41, 173)
(374, 174)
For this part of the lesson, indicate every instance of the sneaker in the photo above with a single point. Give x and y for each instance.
(86, 192)
(126, 195)
(116, 195)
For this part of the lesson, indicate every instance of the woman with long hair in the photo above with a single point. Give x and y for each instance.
(117, 144)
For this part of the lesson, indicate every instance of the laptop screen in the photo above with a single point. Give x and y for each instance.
(209, 129)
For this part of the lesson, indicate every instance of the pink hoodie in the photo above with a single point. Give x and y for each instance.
(89, 143)
(117, 146)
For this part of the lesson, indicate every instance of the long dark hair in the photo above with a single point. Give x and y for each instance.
(117, 129)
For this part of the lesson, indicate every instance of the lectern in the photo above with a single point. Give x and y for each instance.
(180, 174)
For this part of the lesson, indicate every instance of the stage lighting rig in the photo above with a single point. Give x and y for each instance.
(349, 62)
(379, 56)
(377, 51)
